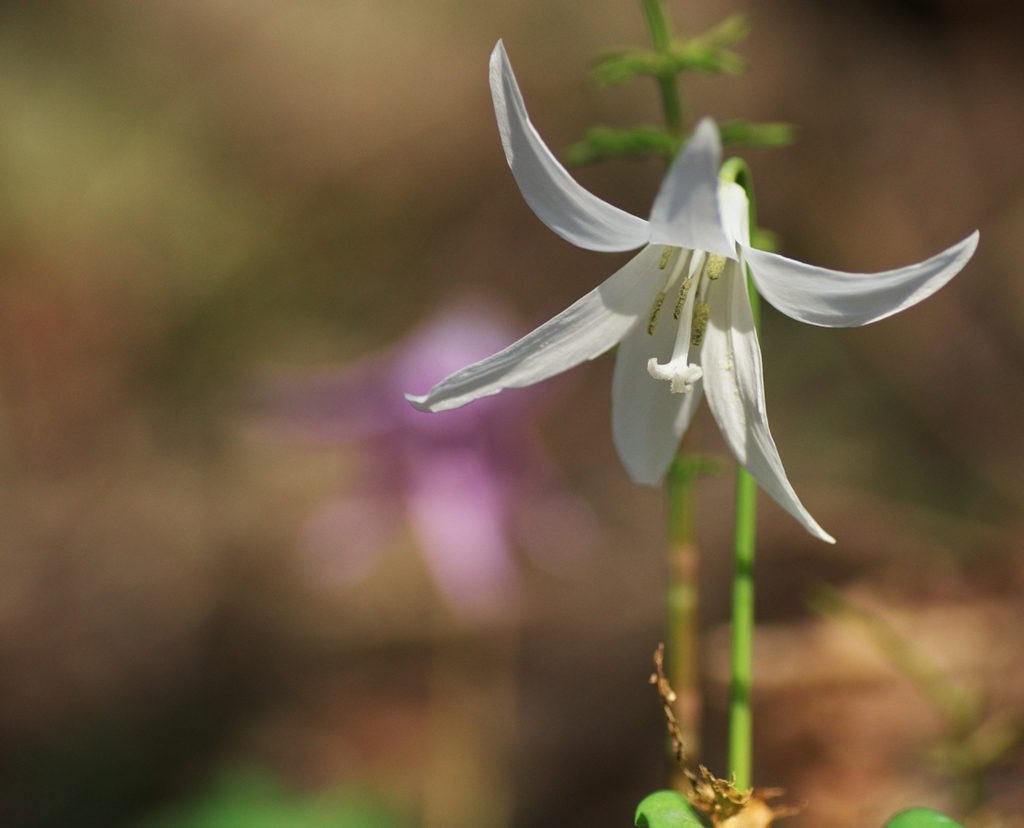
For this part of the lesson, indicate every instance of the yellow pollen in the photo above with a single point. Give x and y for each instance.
(665, 256)
(652, 323)
(683, 290)
(700, 323)
(716, 264)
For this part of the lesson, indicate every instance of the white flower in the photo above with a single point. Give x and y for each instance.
(679, 310)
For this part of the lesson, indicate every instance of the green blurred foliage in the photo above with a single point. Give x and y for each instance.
(251, 798)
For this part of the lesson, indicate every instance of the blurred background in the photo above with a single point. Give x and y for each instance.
(237, 584)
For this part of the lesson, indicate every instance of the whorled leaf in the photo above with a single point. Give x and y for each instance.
(731, 30)
(602, 143)
(706, 54)
(623, 65)
(620, 65)
(744, 134)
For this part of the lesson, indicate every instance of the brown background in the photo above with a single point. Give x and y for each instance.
(192, 190)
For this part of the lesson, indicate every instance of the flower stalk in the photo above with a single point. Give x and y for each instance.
(682, 634)
(740, 714)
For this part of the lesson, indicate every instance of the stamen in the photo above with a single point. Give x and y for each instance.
(665, 256)
(652, 323)
(716, 264)
(701, 311)
(683, 290)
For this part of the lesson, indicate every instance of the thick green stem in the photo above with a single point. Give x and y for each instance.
(740, 717)
(661, 38)
(682, 636)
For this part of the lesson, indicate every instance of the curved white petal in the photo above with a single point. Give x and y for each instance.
(835, 299)
(685, 212)
(648, 420)
(563, 205)
(582, 331)
(734, 384)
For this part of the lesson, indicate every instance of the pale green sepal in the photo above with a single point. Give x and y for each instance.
(920, 818)
(667, 809)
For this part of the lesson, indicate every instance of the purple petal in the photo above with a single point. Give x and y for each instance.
(459, 513)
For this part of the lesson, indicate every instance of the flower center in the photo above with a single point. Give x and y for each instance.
(692, 312)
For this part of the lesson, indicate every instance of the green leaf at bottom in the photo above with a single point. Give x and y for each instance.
(921, 818)
(669, 809)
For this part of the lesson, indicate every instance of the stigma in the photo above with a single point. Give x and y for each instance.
(681, 375)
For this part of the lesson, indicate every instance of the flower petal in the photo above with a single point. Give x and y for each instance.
(648, 420)
(835, 299)
(583, 331)
(734, 384)
(685, 212)
(562, 204)
(735, 212)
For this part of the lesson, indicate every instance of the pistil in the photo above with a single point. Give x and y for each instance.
(678, 371)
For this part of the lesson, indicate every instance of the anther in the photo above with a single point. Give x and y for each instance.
(716, 264)
(683, 290)
(700, 323)
(666, 254)
(652, 323)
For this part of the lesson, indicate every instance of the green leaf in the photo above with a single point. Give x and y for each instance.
(254, 798)
(731, 30)
(748, 135)
(620, 65)
(601, 143)
(706, 54)
(921, 818)
(667, 809)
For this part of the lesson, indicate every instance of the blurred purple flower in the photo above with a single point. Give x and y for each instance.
(472, 481)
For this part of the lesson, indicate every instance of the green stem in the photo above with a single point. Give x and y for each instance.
(682, 636)
(740, 717)
(661, 38)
